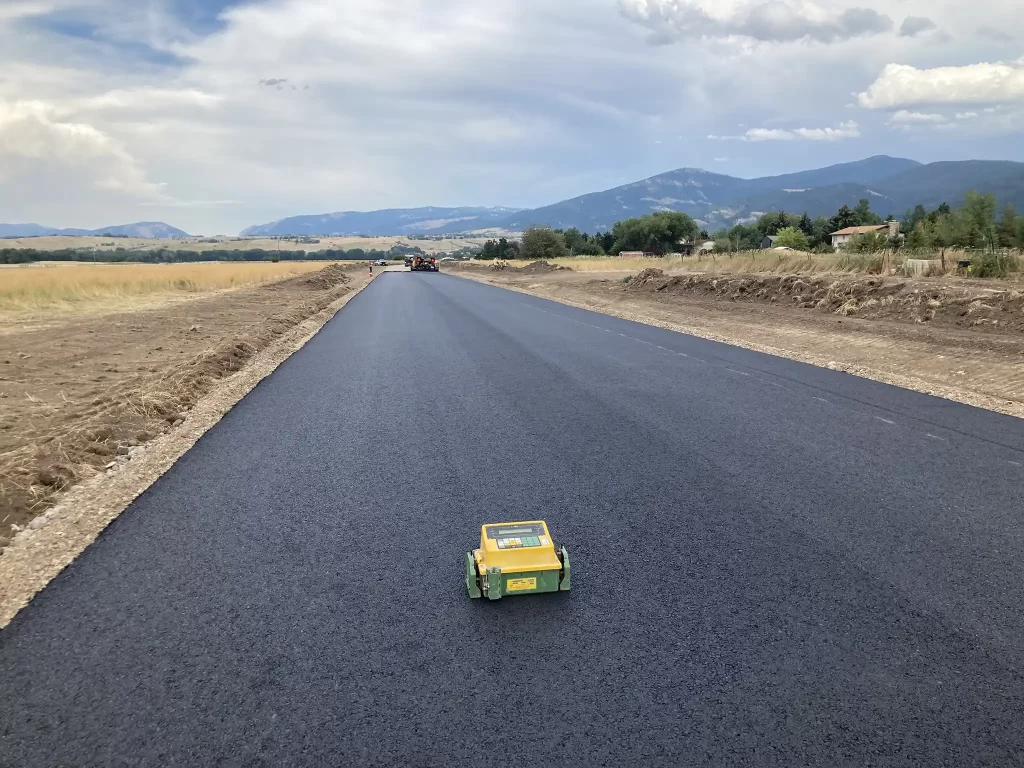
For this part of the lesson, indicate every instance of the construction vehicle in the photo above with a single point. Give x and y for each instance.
(423, 264)
(516, 559)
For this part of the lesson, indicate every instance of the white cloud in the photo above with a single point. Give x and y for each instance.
(16, 10)
(902, 85)
(35, 143)
(966, 115)
(768, 134)
(147, 99)
(763, 20)
(906, 117)
(846, 130)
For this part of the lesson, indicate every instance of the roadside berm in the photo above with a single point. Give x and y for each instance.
(965, 304)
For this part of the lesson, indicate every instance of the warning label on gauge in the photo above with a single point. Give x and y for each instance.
(520, 585)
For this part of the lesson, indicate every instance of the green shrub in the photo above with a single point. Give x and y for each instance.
(994, 264)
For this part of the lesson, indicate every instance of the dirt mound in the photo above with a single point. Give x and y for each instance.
(324, 279)
(649, 276)
(539, 267)
(533, 268)
(963, 306)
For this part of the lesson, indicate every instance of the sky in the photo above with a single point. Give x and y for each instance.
(212, 115)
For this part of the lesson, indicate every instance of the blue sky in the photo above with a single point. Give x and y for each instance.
(216, 115)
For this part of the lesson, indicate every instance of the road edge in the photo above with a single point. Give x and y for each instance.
(904, 381)
(72, 524)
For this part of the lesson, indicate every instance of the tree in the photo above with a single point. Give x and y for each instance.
(980, 213)
(772, 223)
(606, 240)
(844, 218)
(912, 218)
(1006, 230)
(659, 233)
(590, 247)
(573, 239)
(865, 216)
(499, 249)
(920, 237)
(806, 226)
(791, 237)
(820, 232)
(745, 238)
(542, 243)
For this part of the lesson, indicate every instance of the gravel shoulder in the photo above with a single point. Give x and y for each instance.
(113, 402)
(952, 340)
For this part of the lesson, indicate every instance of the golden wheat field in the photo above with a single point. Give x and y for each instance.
(33, 288)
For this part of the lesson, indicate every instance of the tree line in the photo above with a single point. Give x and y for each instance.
(975, 225)
(658, 233)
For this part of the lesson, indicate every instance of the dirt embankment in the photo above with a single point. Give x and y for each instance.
(962, 305)
(533, 268)
(82, 394)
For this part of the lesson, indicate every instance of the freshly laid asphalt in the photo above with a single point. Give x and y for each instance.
(774, 564)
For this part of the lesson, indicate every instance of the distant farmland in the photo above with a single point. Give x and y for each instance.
(104, 244)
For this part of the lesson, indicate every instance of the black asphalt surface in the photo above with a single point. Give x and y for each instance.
(774, 564)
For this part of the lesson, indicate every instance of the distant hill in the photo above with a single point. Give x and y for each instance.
(692, 190)
(715, 200)
(892, 184)
(392, 221)
(868, 171)
(156, 230)
(143, 229)
(937, 183)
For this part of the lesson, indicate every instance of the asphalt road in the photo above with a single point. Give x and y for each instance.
(774, 564)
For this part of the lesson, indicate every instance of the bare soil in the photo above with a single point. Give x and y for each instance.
(976, 305)
(81, 393)
(533, 268)
(959, 339)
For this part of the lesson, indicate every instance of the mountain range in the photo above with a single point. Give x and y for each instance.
(716, 200)
(391, 221)
(146, 229)
(892, 184)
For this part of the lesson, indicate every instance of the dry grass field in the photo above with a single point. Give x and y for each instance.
(106, 244)
(34, 288)
(757, 262)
